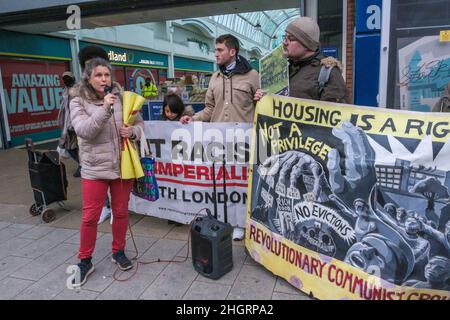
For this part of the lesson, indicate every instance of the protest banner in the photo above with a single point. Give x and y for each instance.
(184, 157)
(274, 72)
(32, 92)
(351, 202)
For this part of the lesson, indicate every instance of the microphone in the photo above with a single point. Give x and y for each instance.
(108, 89)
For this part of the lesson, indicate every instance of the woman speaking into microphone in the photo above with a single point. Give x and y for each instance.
(96, 114)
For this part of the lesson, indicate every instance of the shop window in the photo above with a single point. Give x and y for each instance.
(162, 75)
(179, 74)
(330, 22)
(418, 67)
(136, 77)
(119, 75)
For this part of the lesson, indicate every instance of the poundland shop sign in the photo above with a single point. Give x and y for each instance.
(132, 57)
(113, 56)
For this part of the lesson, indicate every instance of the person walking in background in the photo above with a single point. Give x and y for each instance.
(100, 132)
(149, 90)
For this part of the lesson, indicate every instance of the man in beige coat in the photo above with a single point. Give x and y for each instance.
(230, 95)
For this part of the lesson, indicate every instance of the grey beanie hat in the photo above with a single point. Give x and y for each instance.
(307, 31)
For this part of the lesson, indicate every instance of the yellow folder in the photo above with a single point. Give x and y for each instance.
(131, 164)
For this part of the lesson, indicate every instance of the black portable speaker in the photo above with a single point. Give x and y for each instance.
(211, 243)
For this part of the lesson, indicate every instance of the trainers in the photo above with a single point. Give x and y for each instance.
(238, 233)
(86, 268)
(106, 213)
(121, 260)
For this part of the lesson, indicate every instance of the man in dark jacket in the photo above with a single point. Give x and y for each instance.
(302, 48)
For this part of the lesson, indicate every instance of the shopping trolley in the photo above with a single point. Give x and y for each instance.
(48, 181)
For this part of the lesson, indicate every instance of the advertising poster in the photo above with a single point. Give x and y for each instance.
(423, 71)
(32, 91)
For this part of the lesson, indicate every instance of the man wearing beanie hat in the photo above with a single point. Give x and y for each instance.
(301, 47)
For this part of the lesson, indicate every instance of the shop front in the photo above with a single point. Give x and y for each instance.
(131, 67)
(415, 58)
(31, 86)
(191, 67)
(191, 83)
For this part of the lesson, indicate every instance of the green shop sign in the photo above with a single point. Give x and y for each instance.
(122, 56)
(186, 64)
(34, 46)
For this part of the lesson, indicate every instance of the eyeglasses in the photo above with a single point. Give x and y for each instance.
(289, 38)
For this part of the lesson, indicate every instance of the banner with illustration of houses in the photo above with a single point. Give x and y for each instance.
(351, 202)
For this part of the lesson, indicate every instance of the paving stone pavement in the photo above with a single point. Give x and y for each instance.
(34, 256)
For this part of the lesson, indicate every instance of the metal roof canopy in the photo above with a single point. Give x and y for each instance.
(44, 16)
(260, 26)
